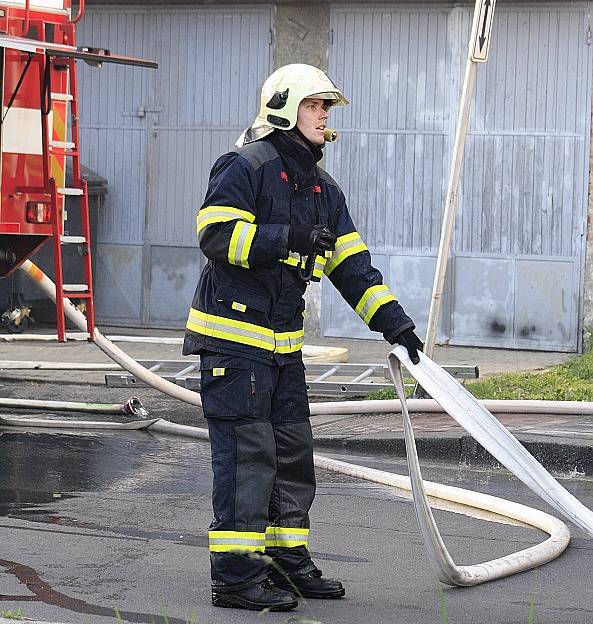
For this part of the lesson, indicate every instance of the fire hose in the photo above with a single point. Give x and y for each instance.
(464, 408)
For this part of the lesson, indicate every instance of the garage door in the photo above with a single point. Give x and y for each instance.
(154, 136)
(515, 276)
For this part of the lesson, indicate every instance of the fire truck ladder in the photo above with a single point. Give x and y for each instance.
(68, 149)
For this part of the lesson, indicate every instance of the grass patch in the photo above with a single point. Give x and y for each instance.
(571, 381)
(12, 615)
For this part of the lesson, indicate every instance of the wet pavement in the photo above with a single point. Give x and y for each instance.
(92, 523)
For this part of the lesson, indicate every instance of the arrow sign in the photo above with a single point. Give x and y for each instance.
(482, 27)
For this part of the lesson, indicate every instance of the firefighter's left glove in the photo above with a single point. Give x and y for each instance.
(308, 239)
(411, 342)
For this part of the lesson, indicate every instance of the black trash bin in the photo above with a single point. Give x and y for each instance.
(17, 290)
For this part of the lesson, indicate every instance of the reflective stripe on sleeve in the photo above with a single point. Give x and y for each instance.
(373, 298)
(220, 214)
(346, 246)
(283, 537)
(320, 262)
(240, 244)
(294, 259)
(228, 541)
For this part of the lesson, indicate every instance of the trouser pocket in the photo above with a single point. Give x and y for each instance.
(227, 392)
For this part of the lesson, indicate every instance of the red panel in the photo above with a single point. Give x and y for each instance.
(19, 170)
(10, 228)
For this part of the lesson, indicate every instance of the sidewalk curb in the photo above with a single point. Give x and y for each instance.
(556, 454)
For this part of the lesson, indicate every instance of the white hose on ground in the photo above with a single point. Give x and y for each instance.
(390, 406)
(50, 423)
(504, 566)
(494, 437)
(81, 336)
(57, 366)
(443, 565)
(133, 406)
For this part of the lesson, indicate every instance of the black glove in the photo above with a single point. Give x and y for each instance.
(411, 342)
(306, 239)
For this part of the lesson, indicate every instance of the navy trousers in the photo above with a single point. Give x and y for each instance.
(262, 463)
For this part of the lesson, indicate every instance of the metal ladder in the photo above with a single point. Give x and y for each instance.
(58, 150)
(329, 380)
(59, 91)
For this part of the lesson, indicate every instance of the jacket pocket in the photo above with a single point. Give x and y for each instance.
(241, 300)
(280, 211)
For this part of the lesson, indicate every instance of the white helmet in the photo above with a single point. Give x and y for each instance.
(281, 95)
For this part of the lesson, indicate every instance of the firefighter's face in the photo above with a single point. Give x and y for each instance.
(312, 118)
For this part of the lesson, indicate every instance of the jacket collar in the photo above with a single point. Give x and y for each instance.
(299, 156)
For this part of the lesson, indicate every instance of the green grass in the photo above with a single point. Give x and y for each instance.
(444, 615)
(12, 615)
(531, 613)
(571, 381)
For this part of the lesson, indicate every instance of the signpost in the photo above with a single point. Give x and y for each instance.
(482, 27)
(478, 53)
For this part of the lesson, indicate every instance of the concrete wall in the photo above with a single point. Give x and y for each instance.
(301, 36)
(588, 269)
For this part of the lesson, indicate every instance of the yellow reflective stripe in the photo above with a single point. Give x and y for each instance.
(320, 262)
(228, 329)
(289, 342)
(228, 541)
(373, 298)
(220, 214)
(240, 307)
(346, 246)
(240, 244)
(218, 372)
(286, 537)
(245, 333)
(294, 259)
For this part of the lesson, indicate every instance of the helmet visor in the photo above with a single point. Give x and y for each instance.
(335, 98)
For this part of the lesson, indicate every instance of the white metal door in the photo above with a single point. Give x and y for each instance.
(154, 136)
(515, 278)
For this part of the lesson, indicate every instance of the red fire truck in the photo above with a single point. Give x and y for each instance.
(38, 133)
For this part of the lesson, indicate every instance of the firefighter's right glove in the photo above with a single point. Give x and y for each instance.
(308, 239)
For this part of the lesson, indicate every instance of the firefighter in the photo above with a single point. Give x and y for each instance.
(268, 209)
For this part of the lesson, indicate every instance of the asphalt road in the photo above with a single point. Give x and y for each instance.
(91, 523)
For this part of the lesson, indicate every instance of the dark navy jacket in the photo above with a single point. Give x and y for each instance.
(249, 300)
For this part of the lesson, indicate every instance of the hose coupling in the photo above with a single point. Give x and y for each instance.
(134, 407)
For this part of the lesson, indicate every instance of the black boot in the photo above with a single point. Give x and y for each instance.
(309, 585)
(263, 595)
